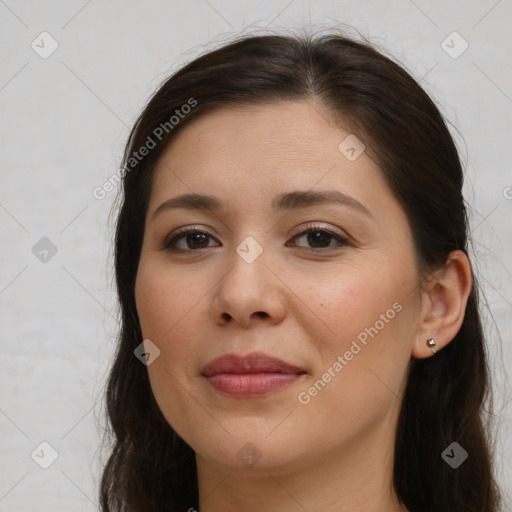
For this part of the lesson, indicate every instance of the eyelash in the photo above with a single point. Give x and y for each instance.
(170, 243)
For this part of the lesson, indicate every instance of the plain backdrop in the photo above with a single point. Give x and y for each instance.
(64, 119)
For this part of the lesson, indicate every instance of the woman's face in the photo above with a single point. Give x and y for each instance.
(340, 304)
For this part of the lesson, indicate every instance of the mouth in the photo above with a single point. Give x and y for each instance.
(250, 376)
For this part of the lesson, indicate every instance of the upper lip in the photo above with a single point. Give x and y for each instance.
(255, 362)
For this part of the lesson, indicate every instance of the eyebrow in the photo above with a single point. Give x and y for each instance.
(282, 202)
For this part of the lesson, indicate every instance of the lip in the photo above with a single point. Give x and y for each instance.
(252, 375)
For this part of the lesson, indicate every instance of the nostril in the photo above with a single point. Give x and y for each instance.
(262, 314)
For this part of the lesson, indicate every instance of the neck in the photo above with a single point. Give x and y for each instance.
(356, 477)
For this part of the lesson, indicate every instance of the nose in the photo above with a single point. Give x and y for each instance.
(249, 293)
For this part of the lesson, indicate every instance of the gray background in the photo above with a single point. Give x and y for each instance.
(63, 123)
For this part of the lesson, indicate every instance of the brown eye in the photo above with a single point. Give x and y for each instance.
(320, 239)
(193, 240)
(196, 240)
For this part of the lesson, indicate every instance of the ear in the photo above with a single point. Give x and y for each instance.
(444, 298)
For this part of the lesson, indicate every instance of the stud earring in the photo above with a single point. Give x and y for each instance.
(431, 343)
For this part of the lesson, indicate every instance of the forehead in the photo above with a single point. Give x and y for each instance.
(253, 151)
(291, 129)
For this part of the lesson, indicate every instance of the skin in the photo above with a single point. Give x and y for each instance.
(334, 453)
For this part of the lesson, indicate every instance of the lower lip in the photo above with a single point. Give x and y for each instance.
(251, 385)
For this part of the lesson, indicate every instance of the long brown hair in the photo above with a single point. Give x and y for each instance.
(150, 467)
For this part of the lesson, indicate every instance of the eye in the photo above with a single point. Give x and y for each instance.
(320, 238)
(193, 239)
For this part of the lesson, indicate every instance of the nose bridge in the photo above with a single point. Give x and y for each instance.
(250, 250)
(248, 267)
(249, 287)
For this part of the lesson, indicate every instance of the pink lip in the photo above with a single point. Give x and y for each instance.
(253, 375)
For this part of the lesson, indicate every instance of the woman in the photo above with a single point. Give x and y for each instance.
(300, 326)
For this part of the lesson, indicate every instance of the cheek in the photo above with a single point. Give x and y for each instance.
(366, 317)
(342, 305)
(164, 302)
(363, 361)
(170, 311)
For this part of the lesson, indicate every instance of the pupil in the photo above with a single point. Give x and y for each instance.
(197, 239)
(318, 237)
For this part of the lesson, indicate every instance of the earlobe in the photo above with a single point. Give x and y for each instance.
(444, 299)
(432, 344)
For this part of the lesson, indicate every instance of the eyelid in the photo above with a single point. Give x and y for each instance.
(343, 240)
(320, 227)
(186, 229)
(183, 231)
